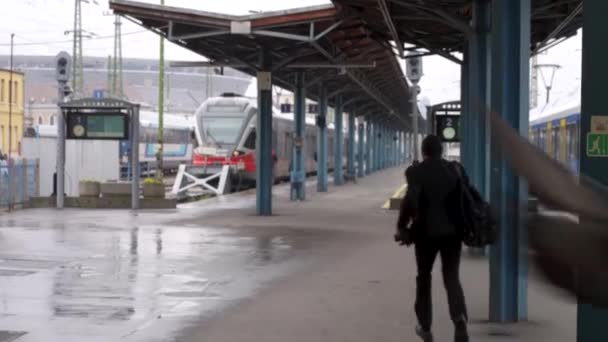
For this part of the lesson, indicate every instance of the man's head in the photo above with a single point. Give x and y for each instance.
(431, 147)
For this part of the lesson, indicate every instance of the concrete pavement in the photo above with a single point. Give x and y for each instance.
(322, 270)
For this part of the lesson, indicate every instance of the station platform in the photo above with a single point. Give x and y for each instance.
(326, 269)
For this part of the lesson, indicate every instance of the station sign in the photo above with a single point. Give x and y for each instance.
(97, 125)
(597, 139)
(448, 128)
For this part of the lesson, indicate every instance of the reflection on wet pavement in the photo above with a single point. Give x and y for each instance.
(71, 281)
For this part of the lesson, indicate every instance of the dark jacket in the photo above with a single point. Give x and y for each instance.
(432, 185)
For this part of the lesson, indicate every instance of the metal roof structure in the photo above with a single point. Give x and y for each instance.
(441, 26)
(335, 49)
(352, 45)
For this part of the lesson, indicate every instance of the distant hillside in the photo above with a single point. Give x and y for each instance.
(185, 87)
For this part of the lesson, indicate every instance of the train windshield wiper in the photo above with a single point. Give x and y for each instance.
(208, 133)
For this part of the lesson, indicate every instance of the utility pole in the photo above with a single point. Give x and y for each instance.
(77, 72)
(117, 80)
(10, 128)
(534, 85)
(77, 58)
(161, 105)
(209, 80)
(110, 82)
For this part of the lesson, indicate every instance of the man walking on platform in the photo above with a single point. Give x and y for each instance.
(425, 221)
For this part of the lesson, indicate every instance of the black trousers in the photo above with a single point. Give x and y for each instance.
(449, 249)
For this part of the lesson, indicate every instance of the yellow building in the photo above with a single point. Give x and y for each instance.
(14, 129)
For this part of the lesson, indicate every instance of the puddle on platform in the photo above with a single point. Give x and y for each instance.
(66, 281)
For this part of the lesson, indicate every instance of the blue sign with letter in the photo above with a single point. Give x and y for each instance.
(98, 94)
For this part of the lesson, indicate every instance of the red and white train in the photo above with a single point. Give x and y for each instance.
(225, 134)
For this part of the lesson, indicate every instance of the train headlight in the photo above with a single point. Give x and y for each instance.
(236, 154)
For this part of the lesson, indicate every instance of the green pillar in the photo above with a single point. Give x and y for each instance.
(592, 319)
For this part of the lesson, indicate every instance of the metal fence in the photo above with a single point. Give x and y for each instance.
(19, 182)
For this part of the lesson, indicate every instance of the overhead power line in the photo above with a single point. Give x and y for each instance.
(69, 41)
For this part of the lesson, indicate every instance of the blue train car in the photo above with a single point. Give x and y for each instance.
(178, 132)
(556, 130)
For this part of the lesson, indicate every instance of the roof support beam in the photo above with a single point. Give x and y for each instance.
(359, 79)
(354, 100)
(456, 23)
(327, 31)
(322, 78)
(340, 91)
(207, 34)
(558, 29)
(283, 35)
(391, 26)
(330, 66)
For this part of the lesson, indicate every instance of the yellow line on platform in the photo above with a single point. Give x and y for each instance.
(399, 193)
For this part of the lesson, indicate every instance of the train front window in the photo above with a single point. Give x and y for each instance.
(222, 129)
(251, 139)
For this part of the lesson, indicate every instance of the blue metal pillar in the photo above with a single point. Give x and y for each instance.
(338, 142)
(382, 146)
(479, 54)
(465, 142)
(401, 149)
(407, 147)
(361, 149)
(376, 141)
(593, 318)
(368, 147)
(511, 21)
(264, 138)
(298, 174)
(395, 148)
(410, 142)
(389, 148)
(322, 141)
(393, 145)
(351, 144)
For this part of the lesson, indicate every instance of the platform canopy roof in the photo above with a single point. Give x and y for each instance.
(441, 26)
(351, 45)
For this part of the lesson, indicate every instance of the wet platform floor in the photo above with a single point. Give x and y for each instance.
(321, 270)
(82, 275)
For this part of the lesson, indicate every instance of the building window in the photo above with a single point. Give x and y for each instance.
(1, 90)
(2, 138)
(15, 139)
(52, 120)
(15, 92)
(40, 120)
(10, 91)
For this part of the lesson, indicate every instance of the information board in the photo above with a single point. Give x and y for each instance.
(448, 128)
(97, 126)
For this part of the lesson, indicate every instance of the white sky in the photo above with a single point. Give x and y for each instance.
(39, 26)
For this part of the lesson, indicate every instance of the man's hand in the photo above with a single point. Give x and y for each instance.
(403, 237)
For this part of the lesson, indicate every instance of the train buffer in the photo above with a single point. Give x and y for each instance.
(185, 181)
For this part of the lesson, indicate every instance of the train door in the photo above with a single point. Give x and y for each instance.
(542, 138)
(556, 143)
(571, 146)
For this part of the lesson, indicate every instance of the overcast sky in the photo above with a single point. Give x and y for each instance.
(40, 27)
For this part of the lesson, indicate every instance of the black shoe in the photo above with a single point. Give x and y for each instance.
(426, 336)
(461, 335)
